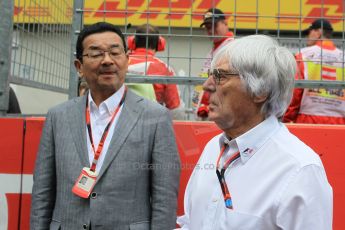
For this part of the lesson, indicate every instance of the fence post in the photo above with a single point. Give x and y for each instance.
(77, 23)
(6, 29)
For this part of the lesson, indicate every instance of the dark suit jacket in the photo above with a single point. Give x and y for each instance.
(137, 185)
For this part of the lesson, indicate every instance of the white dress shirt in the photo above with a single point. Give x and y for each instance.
(100, 117)
(277, 183)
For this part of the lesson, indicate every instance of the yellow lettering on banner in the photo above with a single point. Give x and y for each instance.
(250, 14)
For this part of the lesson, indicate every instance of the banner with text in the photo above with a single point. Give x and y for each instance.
(292, 15)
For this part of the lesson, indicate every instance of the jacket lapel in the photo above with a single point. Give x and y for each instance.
(77, 128)
(128, 118)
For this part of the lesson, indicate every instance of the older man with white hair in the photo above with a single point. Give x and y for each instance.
(263, 176)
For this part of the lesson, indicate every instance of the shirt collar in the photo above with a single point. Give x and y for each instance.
(251, 141)
(110, 103)
(218, 43)
(141, 51)
(326, 44)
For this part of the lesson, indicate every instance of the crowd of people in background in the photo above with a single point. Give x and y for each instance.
(320, 60)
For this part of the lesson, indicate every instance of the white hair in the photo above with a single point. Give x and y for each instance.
(265, 68)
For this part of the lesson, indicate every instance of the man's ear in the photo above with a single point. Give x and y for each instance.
(260, 99)
(127, 56)
(128, 60)
(79, 66)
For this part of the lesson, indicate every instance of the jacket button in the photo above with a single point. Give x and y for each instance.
(93, 195)
(85, 226)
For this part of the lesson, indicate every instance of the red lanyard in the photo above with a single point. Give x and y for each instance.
(221, 178)
(105, 132)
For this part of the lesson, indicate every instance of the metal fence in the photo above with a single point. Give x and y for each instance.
(44, 34)
(41, 44)
(38, 44)
(188, 44)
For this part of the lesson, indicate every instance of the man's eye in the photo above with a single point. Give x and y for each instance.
(218, 75)
(96, 54)
(115, 53)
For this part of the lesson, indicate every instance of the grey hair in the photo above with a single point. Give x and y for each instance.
(265, 68)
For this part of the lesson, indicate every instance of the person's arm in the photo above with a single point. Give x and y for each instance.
(44, 187)
(173, 100)
(203, 105)
(294, 107)
(295, 104)
(306, 202)
(165, 175)
(170, 94)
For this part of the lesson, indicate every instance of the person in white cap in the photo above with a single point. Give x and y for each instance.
(321, 60)
(216, 26)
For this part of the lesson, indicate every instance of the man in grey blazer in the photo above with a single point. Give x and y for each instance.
(114, 149)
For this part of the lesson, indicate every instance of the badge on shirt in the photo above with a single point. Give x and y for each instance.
(85, 183)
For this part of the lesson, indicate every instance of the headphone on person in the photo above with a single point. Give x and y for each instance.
(132, 46)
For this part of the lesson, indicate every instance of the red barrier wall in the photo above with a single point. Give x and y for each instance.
(32, 137)
(18, 153)
(11, 159)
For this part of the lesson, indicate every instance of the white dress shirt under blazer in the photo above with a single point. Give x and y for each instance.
(99, 118)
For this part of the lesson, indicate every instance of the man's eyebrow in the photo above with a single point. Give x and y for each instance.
(227, 71)
(95, 47)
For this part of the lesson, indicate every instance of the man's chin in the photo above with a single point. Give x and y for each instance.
(211, 116)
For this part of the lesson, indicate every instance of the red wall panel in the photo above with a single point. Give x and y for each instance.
(33, 130)
(19, 152)
(11, 160)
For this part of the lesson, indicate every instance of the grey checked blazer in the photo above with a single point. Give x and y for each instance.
(137, 185)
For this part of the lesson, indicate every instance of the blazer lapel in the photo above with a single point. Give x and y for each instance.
(77, 126)
(128, 118)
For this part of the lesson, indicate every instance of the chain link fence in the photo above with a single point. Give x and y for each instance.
(41, 44)
(39, 41)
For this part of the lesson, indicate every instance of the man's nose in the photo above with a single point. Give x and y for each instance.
(107, 59)
(209, 85)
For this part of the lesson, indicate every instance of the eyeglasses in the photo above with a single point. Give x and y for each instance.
(220, 74)
(98, 55)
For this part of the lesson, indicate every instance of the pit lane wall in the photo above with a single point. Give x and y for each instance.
(19, 139)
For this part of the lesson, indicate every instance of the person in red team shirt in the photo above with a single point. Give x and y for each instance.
(142, 61)
(321, 60)
(216, 27)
